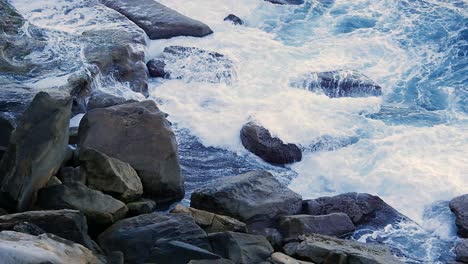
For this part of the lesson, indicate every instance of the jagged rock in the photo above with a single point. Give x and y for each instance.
(100, 209)
(158, 21)
(198, 65)
(36, 151)
(211, 222)
(280, 258)
(234, 19)
(46, 248)
(145, 141)
(335, 224)
(110, 175)
(253, 197)
(459, 206)
(100, 99)
(68, 224)
(325, 249)
(259, 141)
(143, 206)
(240, 248)
(176, 252)
(340, 83)
(71, 175)
(136, 236)
(362, 209)
(286, 2)
(461, 251)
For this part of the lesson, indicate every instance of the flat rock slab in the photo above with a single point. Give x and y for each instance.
(459, 206)
(255, 196)
(325, 249)
(158, 21)
(339, 83)
(136, 236)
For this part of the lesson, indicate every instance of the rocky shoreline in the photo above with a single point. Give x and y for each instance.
(95, 195)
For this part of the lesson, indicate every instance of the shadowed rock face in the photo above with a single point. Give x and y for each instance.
(158, 21)
(339, 83)
(36, 151)
(259, 141)
(459, 206)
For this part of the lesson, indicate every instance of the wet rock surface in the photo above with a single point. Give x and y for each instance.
(459, 206)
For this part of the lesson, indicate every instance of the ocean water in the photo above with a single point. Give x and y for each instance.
(410, 146)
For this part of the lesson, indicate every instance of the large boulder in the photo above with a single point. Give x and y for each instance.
(176, 252)
(110, 175)
(461, 251)
(100, 209)
(459, 206)
(259, 141)
(158, 21)
(198, 65)
(253, 197)
(339, 83)
(36, 151)
(325, 249)
(362, 209)
(46, 248)
(145, 141)
(68, 224)
(335, 224)
(211, 222)
(240, 248)
(136, 236)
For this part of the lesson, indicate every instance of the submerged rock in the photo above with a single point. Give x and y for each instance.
(192, 64)
(339, 83)
(110, 175)
(36, 151)
(47, 248)
(459, 206)
(240, 248)
(234, 19)
(362, 209)
(136, 236)
(253, 197)
(335, 224)
(68, 224)
(259, 141)
(325, 249)
(158, 21)
(211, 222)
(138, 134)
(100, 209)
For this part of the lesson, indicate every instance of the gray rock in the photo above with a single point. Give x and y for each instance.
(71, 175)
(158, 21)
(100, 209)
(234, 19)
(36, 151)
(325, 249)
(461, 251)
(240, 248)
(68, 224)
(335, 224)
(211, 222)
(286, 2)
(280, 258)
(146, 142)
(176, 252)
(362, 209)
(100, 99)
(136, 236)
(143, 206)
(259, 141)
(198, 65)
(110, 175)
(46, 248)
(252, 197)
(339, 83)
(459, 206)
